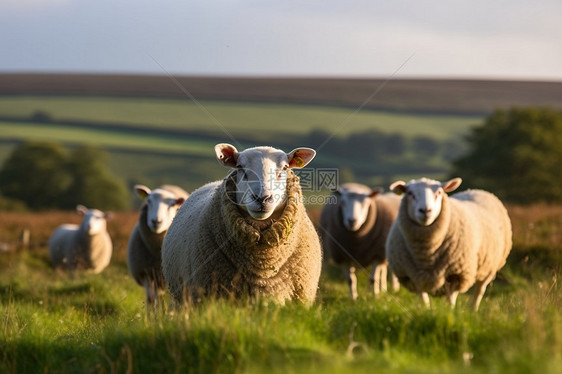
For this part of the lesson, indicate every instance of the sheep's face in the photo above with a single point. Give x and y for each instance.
(161, 207)
(95, 221)
(355, 204)
(261, 177)
(424, 198)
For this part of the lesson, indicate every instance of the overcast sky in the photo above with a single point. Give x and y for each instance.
(515, 39)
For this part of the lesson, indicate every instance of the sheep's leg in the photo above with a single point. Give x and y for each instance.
(71, 266)
(395, 282)
(378, 278)
(151, 293)
(479, 289)
(451, 289)
(452, 285)
(452, 298)
(352, 280)
(383, 268)
(425, 298)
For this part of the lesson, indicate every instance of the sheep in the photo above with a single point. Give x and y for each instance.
(354, 230)
(247, 235)
(443, 244)
(144, 255)
(86, 246)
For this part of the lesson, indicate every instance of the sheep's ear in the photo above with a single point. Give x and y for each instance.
(108, 216)
(142, 191)
(375, 191)
(398, 187)
(300, 157)
(179, 201)
(81, 209)
(451, 185)
(227, 154)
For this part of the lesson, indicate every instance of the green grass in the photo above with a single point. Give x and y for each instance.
(51, 322)
(105, 138)
(259, 119)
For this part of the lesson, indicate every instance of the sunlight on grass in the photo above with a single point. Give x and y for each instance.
(54, 322)
(237, 117)
(99, 323)
(105, 138)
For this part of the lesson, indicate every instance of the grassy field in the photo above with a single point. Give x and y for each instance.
(249, 111)
(157, 141)
(261, 120)
(54, 323)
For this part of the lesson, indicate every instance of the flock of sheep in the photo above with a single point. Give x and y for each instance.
(249, 235)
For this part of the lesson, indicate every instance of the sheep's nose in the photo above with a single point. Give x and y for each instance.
(265, 199)
(351, 222)
(425, 211)
(156, 222)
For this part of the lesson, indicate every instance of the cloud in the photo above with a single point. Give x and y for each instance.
(290, 37)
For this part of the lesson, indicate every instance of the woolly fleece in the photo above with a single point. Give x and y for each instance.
(211, 249)
(468, 242)
(72, 247)
(366, 245)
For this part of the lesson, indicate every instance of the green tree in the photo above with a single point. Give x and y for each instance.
(425, 146)
(374, 144)
(34, 173)
(12, 205)
(93, 183)
(517, 154)
(46, 176)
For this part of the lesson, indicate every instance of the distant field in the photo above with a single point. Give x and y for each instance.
(171, 140)
(155, 133)
(405, 95)
(257, 119)
(104, 138)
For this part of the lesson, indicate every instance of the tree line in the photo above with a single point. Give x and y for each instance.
(42, 176)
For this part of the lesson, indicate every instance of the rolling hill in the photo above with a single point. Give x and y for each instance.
(155, 133)
(411, 95)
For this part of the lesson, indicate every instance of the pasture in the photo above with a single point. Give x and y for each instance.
(239, 118)
(156, 140)
(52, 322)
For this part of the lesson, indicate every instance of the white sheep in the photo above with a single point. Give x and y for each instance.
(443, 244)
(354, 231)
(248, 234)
(86, 246)
(144, 254)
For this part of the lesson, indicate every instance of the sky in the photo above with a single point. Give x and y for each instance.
(498, 39)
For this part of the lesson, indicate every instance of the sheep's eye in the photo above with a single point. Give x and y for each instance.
(280, 172)
(411, 195)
